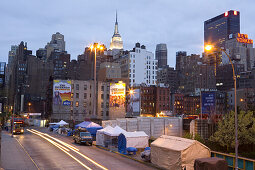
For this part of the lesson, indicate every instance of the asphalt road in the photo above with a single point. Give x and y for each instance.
(40, 149)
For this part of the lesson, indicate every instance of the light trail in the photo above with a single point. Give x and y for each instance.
(65, 150)
(51, 141)
(63, 143)
(73, 149)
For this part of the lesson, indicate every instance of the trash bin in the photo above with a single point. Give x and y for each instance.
(210, 164)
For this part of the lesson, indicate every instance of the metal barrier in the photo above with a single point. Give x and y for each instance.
(243, 163)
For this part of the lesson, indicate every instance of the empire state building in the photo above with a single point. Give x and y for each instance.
(116, 41)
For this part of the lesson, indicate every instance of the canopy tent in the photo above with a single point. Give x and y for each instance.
(170, 152)
(90, 126)
(138, 139)
(109, 136)
(62, 122)
(116, 131)
(100, 136)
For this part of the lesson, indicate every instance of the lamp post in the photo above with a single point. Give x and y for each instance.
(131, 92)
(95, 47)
(209, 48)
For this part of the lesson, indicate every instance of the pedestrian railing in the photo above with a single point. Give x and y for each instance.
(243, 163)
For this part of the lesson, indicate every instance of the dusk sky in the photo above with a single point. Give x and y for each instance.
(179, 24)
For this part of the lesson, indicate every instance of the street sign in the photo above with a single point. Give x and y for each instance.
(208, 102)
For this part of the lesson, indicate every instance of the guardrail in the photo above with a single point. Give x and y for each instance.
(243, 163)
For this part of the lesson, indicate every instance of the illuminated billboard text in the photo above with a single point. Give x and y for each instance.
(243, 38)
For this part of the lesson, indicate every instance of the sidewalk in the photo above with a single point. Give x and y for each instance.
(12, 154)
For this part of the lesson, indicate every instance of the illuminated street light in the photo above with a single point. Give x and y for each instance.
(209, 48)
(95, 47)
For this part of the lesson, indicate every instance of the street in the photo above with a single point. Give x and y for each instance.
(39, 149)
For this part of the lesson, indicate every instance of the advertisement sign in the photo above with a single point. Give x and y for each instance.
(62, 92)
(208, 102)
(117, 94)
(243, 38)
(134, 103)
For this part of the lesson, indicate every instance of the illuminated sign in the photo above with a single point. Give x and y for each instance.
(243, 38)
(235, 12)
(226, 14)
(62, 92)
(117, 94)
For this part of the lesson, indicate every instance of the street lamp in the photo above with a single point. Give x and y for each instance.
(29, 105)
(95, 47)
(209, 48)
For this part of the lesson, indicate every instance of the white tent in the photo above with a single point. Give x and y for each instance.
(61, 122)
(116, 131)
(100, 135)
(138, 139)
(171, 152)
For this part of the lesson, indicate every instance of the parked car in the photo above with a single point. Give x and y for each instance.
(82, 136)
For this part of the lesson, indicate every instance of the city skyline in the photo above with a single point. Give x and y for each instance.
(181, 30)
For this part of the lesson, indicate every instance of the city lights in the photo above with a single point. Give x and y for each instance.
(208, 47)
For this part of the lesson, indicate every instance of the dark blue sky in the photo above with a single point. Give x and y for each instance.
(179, 24)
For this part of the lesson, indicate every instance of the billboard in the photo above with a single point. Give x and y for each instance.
(117, 94)
(62, 92)
(208, 102)
(133, 107)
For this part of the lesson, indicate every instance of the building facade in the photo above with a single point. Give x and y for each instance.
(241, 51)
(139, 66)
(218, 29)
(161, 55)
(168, 77)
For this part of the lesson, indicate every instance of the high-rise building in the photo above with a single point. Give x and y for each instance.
(218, 29)
(168, 77)
(2, 74)
(139, 65)
(161, 55)
(56, 44)
(116, 41)
(12, 53)
(240, 50)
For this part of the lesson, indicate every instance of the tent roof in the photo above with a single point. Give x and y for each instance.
(116, 131)
(88, 124)
(173, 142)
(92, 124)
(62, 122)
(135, 134)
(107, 128)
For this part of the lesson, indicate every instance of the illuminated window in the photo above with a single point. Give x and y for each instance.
(77, 104)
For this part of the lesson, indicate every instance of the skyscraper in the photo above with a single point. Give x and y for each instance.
(116, 41)
(161, 55)
(56, 44)
(218, 29)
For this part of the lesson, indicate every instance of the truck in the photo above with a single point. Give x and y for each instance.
(82, 136)
(18, 126)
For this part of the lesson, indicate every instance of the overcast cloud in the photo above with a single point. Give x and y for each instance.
(179, 24)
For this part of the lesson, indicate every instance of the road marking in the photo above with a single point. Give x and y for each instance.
(27, 154)
(61, 148)
(73, 149)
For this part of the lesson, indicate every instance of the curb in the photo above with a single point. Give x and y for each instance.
(143, 162)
